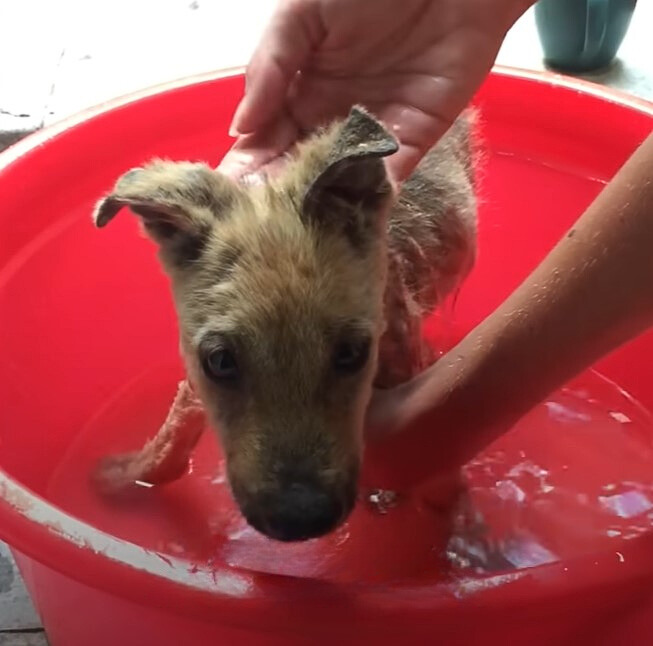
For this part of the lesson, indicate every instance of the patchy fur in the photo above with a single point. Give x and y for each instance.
(296, 296)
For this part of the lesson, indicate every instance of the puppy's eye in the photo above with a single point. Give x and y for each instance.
(221, 365)
(350, 356)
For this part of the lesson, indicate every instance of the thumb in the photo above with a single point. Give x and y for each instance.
(294, 31)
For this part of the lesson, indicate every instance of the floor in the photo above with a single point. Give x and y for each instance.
(19, 623)
(58, 57)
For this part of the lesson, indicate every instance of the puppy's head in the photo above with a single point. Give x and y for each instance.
(279, 291)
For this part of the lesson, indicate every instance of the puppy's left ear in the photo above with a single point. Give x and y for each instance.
(176, 202)
(354, 184)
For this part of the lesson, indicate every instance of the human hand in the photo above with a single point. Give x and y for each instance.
(400, 456)
(591, 294)
(422, 431)
(415, 65)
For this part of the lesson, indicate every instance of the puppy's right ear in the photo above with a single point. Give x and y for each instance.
(353, 185)
(177, 203)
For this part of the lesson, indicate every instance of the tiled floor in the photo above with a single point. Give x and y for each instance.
(60, 56)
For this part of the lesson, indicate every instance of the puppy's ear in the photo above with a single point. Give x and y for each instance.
(353, 186)
(176, 202)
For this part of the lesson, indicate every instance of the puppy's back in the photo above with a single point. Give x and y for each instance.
(431, 246)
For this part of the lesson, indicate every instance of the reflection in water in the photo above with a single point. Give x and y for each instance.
(381, 500)
(628, 504)
(561, 413)
(584, 482)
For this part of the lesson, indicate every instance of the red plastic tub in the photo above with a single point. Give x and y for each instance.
(84, 314)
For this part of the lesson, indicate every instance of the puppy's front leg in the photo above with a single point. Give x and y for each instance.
(165, 457)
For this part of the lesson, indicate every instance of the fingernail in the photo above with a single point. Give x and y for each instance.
(234, 130)
(235, 163)
(233, 126)
(230, 170)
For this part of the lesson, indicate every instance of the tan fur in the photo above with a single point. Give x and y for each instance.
(285, 278)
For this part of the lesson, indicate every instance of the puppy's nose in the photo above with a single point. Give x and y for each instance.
(301, 511)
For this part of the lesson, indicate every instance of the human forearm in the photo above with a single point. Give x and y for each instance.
(592, 293)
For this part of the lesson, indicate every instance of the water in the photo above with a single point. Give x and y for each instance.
(575, 475)
(381, 500)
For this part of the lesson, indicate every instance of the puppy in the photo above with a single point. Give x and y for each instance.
(295, 298)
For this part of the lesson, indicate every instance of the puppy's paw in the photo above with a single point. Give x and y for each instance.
(118, 473)
(165, 458)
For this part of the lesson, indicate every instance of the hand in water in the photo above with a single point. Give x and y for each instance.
(420, 430)
(591, 294)
(415, 64)
(392, 455)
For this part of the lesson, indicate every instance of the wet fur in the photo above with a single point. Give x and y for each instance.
(285, 271)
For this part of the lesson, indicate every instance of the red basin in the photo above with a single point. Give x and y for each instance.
(83, 313)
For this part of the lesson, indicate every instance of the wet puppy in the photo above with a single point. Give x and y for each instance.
(294, 299)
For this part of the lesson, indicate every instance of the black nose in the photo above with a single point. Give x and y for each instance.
(301, 511)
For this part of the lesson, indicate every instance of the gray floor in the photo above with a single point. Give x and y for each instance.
(19, 624)
(23, 638)
(60, 56)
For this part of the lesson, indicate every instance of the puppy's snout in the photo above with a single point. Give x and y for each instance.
(301, 510)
